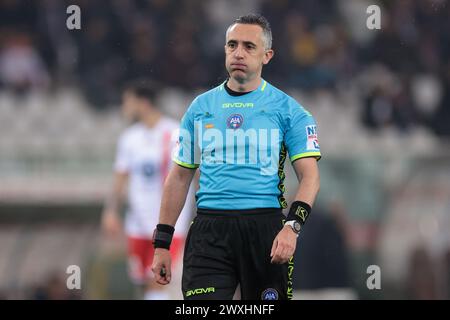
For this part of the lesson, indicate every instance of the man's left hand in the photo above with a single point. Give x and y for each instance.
(283, 247)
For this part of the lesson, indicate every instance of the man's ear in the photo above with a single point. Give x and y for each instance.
(268, 55)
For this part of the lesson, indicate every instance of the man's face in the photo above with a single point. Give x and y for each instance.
(245, 53)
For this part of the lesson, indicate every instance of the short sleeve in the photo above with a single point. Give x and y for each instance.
(301, 138)
(185, 151)
(123, 157)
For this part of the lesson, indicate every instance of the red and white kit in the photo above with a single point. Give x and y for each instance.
(145, 154)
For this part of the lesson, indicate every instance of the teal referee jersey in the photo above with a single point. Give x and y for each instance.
(240, 144)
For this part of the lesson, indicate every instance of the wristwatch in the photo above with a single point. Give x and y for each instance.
(295, 225)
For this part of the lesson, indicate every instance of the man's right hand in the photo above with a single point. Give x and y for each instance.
(161, 266)
(111, 223)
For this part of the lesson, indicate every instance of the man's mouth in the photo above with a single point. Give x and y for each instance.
(238, 66)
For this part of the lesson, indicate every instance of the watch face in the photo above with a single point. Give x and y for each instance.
(297, 226)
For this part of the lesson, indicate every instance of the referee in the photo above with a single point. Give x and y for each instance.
(239, 135)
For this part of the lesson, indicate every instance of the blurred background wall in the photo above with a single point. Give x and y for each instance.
(381, 99)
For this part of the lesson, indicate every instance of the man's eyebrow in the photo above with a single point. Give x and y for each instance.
(249, 42)
(245, 42)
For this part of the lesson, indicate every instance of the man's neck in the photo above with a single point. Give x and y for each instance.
(243, 87)
(151, 119)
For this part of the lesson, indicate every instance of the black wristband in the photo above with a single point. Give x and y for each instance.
(162, 236)
(299, 211)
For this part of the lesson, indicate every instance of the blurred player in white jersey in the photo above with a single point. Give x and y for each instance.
(142, 162)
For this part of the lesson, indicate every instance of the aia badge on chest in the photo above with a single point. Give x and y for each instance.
(235, 121)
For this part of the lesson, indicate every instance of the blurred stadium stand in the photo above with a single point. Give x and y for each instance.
(381, 99)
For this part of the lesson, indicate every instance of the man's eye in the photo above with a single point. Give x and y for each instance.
(231, 45)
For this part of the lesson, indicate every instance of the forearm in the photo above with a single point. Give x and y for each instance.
(113, 201)
(284, 244)
(309, 181)
(308, 189)
(174, 196)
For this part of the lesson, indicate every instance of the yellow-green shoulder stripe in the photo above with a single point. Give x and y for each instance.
(184, 164)
(264, 85)
(315, 154)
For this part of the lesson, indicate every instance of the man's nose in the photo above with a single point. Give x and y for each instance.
(239, 52)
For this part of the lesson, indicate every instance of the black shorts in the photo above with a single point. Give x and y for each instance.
(227, 248)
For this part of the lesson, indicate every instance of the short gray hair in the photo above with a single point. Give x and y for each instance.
(259, 20)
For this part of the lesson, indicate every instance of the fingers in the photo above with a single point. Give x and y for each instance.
(283, 247)
(274, 247)
(161, 269)
(168, 272)
(282, 253)
(161, 275)
(280, 258)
